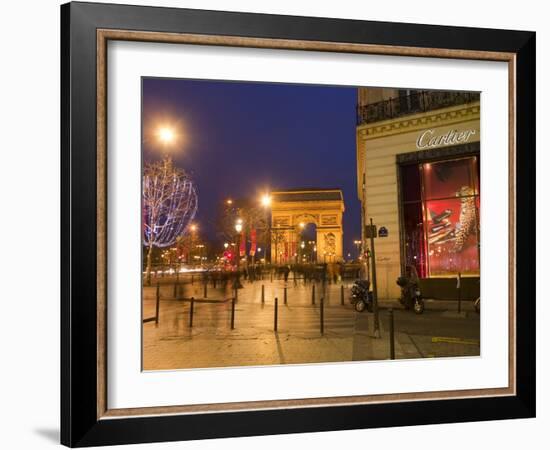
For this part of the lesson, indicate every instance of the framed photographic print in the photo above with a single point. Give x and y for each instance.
(277, 224)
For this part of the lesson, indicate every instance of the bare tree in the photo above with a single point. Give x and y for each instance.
(169, 205)
(253, 218)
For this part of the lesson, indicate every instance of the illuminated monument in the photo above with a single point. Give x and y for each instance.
(292, 210)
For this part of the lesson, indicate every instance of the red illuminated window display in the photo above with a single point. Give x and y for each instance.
(440, 213)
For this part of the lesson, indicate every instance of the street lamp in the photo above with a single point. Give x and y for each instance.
(201, 247)
(193, 229)
(166, 135)
(266, 200)
(239, 225)
(238, 240)
(358, 245)
(266, 203)
(238, 229)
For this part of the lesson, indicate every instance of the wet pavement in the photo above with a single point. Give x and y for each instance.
(347, 335)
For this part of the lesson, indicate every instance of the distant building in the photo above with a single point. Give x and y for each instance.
(418, 178)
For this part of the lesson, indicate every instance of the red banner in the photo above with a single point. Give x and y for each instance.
(252, 242)
(242, 249)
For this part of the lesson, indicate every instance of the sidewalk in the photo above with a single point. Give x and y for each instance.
(348, 336)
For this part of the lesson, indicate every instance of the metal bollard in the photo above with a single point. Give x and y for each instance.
(313, 294)
(206, 289)
(275, 313)
(459, 289)
(285, 295)
(342, 295)
(192, 279)
(233, 313)
(236, 289)
(191, 311)
(157, 306)
(263, 293)
(322, 315)
(392, 335)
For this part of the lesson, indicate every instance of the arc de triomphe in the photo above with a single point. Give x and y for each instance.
(322, 207)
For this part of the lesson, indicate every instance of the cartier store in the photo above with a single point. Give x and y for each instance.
(419, 179)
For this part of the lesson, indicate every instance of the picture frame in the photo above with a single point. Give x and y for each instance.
(86, 418)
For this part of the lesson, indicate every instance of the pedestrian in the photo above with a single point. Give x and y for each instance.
(286, 272)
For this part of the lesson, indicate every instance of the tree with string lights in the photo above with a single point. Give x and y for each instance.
(169, 206)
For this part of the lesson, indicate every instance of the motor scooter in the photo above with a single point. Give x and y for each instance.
(361, 297)
(411, 297)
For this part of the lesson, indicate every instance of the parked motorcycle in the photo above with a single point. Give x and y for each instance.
(361, 297)
(477, 303)
(411, 297)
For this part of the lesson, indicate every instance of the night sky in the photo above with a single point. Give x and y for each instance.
(241, 139)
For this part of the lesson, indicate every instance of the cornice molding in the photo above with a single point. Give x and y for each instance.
(415, 122)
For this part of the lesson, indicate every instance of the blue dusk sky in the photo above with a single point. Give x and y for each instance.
(241, 139)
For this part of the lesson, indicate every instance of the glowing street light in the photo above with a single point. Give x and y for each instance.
(229, 201)
(239, 239)
(166, 135)
(266, 200)
(193, 227)
(225, 245)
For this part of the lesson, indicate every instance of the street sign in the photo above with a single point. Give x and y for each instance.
(382, 232)
(370, 231)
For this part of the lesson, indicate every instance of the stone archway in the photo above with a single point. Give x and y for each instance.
(322, 207)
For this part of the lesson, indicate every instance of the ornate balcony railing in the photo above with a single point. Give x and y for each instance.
(419, 101)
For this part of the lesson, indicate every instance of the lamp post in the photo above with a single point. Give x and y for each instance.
(193, 229)
(225, 246)
(358, 245)
(201, 248)
(301, 227)
(266, 203)
(239, 229)
(238, 238)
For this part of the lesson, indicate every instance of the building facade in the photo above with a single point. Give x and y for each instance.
(418, 179)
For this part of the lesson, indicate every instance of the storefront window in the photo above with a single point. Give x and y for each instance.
(441, 216)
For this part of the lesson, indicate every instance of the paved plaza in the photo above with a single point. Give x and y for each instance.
(347, 335)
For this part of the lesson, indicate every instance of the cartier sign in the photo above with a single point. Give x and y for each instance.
(429, 138)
